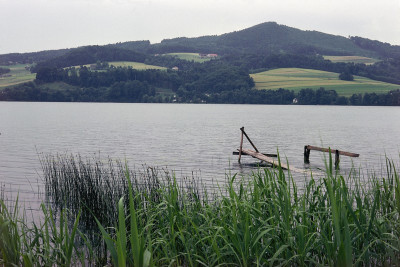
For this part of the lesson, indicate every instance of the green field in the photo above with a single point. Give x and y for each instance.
(133, 65)
(352, 59)
(136, 65)
(18, 74)
(57, 86)
(297, 79)
(189, 57)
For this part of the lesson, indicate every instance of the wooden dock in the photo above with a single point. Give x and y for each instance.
(271, 158)
(308, 148)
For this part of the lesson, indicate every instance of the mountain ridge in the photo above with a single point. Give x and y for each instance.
(271, 37)
(264, 38)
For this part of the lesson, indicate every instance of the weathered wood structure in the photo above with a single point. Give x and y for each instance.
(269, 158)
(244, 154)
(308, 148)
(265, 158)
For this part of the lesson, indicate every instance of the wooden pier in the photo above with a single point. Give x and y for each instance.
(271, 158)
(308, 148)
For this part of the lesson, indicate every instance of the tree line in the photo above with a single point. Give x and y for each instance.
(135, 91)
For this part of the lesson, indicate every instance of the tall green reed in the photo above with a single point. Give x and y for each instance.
(52, 242)
(263, 219)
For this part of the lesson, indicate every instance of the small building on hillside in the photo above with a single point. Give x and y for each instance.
(175, 68)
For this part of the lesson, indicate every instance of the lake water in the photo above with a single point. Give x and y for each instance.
(186, 137)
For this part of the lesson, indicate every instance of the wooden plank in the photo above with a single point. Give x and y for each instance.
(275, 162)
(262, 157)
(248, 138)
(244, 154)
(349, 154)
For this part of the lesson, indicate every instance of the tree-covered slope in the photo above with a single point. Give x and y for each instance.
(383, 49)
(91, 54)
(272, 37)
(29, 58)
(267, 38)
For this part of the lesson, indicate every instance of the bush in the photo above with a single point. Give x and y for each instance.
(346, 76)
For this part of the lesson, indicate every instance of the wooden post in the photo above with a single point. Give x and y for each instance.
(306, 154)
(248, 138)
(241, 144)
(337, 159)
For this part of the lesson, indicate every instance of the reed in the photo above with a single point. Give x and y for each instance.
(264, 219)
(53, 242)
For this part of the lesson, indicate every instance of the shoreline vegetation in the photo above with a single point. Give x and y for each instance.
(101, 213)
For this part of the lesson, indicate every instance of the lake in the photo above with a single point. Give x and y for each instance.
(186, 138)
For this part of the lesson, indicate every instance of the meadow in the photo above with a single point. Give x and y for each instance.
(150, 218)
(189, 57)
(17, 75)
(296, 79)
(136, 65)
(133, 65)
(352, 59)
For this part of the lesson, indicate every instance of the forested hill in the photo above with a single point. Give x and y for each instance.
(265, 39)
(272, 38)
(268, 38)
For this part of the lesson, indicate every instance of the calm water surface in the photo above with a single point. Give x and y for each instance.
(186, 137)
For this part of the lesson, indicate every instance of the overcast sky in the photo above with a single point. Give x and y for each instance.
(35, 25)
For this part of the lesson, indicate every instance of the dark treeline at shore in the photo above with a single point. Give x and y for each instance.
(135, 91)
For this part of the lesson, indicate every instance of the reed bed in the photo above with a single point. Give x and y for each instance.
(96, 185)
(263, 219)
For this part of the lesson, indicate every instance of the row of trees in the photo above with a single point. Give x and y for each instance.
(330, 97)
(130, 91)
(83, 77)
(137, 91)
